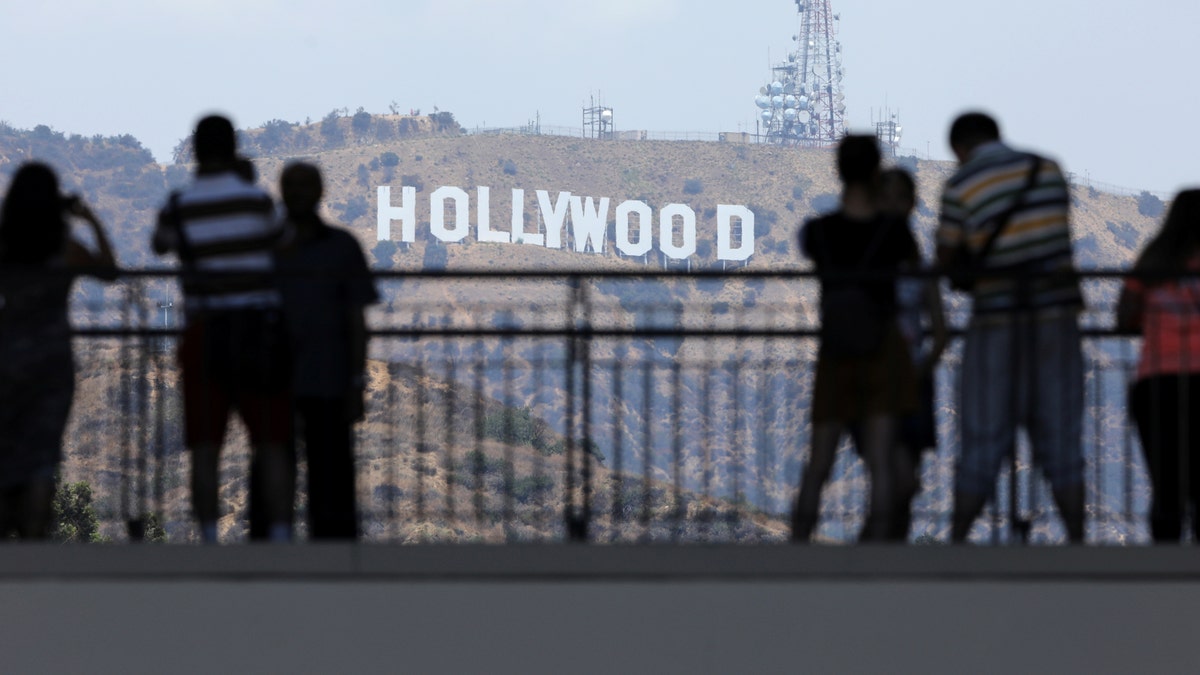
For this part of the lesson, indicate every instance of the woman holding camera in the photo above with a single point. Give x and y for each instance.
(39, 260)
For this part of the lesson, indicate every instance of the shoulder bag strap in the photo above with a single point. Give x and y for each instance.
(1018, 201)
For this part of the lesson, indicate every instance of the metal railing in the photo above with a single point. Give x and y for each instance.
(551, 406)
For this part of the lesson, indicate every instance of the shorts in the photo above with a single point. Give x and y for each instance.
(852, 389)
(1025, 373)
(236, 360)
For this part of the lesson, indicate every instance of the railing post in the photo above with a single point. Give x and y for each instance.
(579, 343)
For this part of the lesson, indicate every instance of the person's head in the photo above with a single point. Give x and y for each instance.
(970, 131)
(301, 187)
(215, 142)
(858, 160)
(1179, 238)
(897, 195)
(33, 227)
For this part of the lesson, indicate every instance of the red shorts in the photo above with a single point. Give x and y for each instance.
(216, 362)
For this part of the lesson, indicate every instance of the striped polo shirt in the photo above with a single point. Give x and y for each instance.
(228, 226)
(1036, 240)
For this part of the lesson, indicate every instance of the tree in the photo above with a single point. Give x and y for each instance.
(274, 135)
(74, 516)
(1150, 205)
(389, 159)
(361, 122)
(383, 252)
(330, 129)
(356, 207)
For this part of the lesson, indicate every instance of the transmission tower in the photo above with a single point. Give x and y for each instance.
(804, 103)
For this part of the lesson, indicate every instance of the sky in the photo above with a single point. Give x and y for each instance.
(1105, 86)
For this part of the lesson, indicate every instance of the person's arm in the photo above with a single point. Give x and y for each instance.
(950, 231)
(361, 292)
(1130, 306)
(937, 325)
(102, 263)
(166, 237)
(357, 323)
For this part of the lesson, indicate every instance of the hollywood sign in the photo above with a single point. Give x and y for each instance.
(589, 219)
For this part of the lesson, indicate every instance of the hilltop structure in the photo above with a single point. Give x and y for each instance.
(804, 103)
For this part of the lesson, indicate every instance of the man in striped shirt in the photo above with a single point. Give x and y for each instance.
(1022, 362)
(233, 352)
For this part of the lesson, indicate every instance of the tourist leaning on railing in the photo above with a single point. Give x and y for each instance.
(1005, 228)
(1161, 300)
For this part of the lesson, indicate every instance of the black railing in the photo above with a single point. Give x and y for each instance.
(551, 406)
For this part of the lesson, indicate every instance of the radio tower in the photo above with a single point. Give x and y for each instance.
(804, 103)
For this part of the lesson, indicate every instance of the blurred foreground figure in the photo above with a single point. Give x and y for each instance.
(1005, 238)
(233, 354)
(1163, 304)
(918, 310)
(326, 286)
(39, 259)
(864, 381)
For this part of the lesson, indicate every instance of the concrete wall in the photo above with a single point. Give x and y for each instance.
(597, 610)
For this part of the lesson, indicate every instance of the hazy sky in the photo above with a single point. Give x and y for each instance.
(1105, 86)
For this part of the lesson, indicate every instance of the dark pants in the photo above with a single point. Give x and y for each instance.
(1164, 407)
(329, 447)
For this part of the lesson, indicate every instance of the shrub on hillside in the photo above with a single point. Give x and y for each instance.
(361, 122)
(331, 129)
(412, 180)
(384, 253)
(75, 517)
(693, 186)
(389, 159)
(510, 169)
(354, 208)
(517, 426)
(826, 203)
(1150, 205)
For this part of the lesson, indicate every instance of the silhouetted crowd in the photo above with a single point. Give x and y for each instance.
(1004, 239)
(274, 303)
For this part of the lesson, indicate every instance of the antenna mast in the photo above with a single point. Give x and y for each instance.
(804, 103)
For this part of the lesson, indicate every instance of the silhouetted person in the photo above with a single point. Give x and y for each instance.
(1005, 215)
(864, 380)
(326, 286)
(1164, 307)
(233, 353)
(39, 259)
(919, 310)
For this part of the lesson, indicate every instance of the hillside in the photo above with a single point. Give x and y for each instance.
(740, 415)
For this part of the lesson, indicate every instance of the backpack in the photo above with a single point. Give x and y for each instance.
(852, 322)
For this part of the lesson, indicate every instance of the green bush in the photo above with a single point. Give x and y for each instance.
(530, 489)
(1150, 205)
(692, 186)
(74, 518)
(389, 159)
(517, 426)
